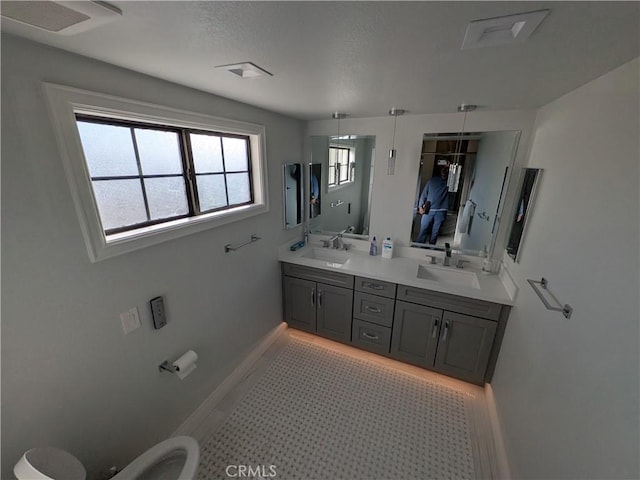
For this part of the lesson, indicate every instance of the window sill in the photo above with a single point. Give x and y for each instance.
(120, 243)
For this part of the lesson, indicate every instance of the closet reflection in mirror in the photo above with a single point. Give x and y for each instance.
(293, 194)
(340, 184)
(460, 189)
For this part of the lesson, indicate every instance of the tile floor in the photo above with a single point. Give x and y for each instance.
(316, 409)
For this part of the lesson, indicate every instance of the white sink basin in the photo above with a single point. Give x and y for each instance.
(448, 275)
(332, 257)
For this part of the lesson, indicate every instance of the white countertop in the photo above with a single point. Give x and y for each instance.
(403, 269)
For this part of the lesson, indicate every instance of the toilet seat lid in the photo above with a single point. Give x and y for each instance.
(49, 463)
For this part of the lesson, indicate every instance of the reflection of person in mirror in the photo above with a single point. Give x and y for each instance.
(433, 205)
(314, 207)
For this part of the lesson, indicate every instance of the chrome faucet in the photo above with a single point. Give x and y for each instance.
(446, 261)
(336, 242)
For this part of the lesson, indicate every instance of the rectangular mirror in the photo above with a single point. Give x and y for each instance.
(530, 179)
(293, 194)
(459, 191)
(340, 184)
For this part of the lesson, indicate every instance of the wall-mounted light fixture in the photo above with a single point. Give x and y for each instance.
(391, 164)
(455, 169)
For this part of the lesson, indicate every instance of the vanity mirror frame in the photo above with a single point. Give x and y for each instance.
(520, 219)
(500, 185)
(332, 197)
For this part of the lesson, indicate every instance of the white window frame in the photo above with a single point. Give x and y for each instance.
(66, 102)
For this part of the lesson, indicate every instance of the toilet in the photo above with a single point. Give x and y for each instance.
(176, 458)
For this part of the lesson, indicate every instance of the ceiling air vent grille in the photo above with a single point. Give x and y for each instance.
(502, 30)
(64, 17)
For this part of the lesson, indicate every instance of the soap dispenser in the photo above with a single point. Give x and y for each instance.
(387, 248)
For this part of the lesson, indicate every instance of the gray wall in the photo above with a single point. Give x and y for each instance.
(69, 376)
(567, 390)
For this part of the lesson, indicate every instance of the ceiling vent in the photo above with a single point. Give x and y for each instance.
(246, 70)
(62, 17)
(502, 30)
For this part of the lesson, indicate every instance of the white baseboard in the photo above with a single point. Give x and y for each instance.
(229, 383)
(501, 461)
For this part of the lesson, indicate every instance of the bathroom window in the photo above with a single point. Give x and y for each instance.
(341, 166)
(141, 174)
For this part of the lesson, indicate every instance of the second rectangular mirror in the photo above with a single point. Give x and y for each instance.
(460, 189)
(340, 178)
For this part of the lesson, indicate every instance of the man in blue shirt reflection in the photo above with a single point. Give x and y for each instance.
(433, 205)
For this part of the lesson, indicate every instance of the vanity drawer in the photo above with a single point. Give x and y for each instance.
(376, 287)
(453, 303)
(373, 309)
(317, 275)
(369, 336)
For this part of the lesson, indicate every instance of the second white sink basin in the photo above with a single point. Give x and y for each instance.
(449, 275)
(329, 256)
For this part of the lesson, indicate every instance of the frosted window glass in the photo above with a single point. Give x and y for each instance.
(108, 149)
(207, 153)
(235, 154)
(211, 192)
(167, 197)
(159, 151)
(120, 202)
(238, 187)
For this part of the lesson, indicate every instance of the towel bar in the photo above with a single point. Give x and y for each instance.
(229, 248)
(566, 309)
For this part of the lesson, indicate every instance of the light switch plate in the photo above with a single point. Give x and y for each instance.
(130, 320)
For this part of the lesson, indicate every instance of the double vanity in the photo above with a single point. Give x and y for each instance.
(442, 318)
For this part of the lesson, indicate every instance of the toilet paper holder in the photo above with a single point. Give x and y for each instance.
(169, 367)
(182, 367)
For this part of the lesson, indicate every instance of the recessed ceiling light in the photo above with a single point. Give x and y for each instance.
(62, 17)
(502, 30)
(246, 70)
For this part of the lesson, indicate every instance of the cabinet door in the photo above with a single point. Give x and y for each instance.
(414, 337)
(334, 307)
(300, 303)
(464, 346)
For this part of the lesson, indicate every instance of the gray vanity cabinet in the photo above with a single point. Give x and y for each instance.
(446, 333)
(414, 338)
(300, 303)
(318, 301)
(450, 334)
(464, 346)
(333, 312)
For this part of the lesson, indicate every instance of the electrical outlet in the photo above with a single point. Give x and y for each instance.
(157, 312)
(130, 320)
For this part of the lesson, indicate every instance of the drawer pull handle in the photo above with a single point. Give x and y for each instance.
(373, 309)
(446, 330)
(370, 337)
(434, 331)
(374, 286)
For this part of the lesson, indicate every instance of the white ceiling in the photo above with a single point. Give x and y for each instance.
(362, 58)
